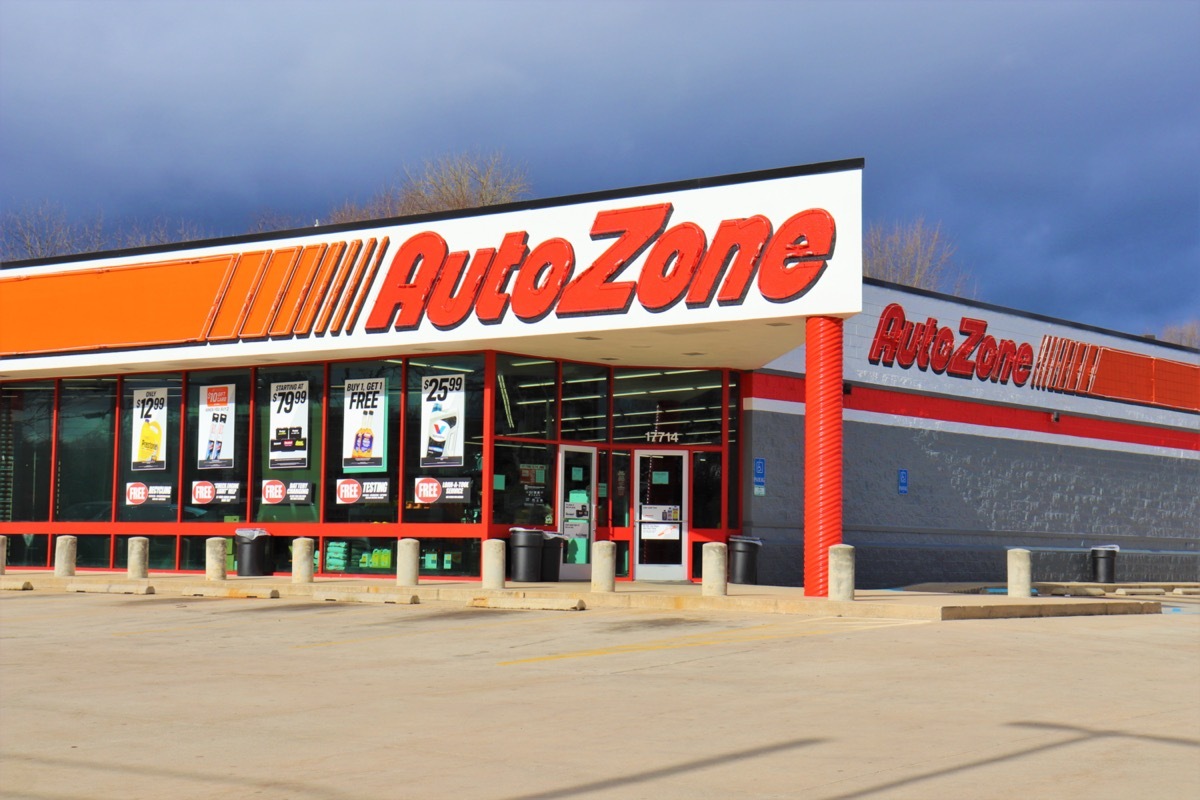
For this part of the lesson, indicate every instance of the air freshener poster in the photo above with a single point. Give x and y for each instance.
(215, 441)
(289, 426)
(149, 429)
(364, 426)
(442, 404)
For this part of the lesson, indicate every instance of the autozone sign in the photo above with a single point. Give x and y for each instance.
(426, 278)
(971, 349)
(928, 346)
(720, 256)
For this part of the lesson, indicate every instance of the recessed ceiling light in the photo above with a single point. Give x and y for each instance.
(779, 324)
(588, 338)
(693, 354)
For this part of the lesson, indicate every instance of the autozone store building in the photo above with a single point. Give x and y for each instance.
(661, 367)
(971, 429)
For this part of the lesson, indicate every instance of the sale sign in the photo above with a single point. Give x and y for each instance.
(216, 426)
(364, 426)
(149, 446)
(288, 447)
(442, 405)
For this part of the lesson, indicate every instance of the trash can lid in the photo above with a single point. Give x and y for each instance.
(749, 539)
(252, 533)
(1107, 547)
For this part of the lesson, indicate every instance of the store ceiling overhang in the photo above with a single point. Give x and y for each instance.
(743, 345)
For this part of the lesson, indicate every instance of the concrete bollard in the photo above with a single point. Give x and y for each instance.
(841, 572)
(302, 560)
(3, 553)
(214, 559)
(408, 562)
(138, 560)
(65, 548)
(716, 570)
(1020, 574)
(493, 563)
(604, 566)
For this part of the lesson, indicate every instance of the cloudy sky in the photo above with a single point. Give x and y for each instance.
(1057, 143)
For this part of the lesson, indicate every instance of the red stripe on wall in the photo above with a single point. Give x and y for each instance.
(945, 409)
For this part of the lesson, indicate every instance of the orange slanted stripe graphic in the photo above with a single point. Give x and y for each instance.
(163, 303)
(226, 298)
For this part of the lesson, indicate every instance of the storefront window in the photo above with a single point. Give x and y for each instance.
(524, 484)
(29, 550)
(288, 402)
(216, 465)
(443, 449)
(160, 555)
(526, 397)
(603, 488)
(360, 556)
(92, 551)
(734, 463)
(193, 553)
(363, 423)
(667, 407)
(26, 426)
(619, 489)
(86, 420)
(148, 449)
(706, 489)
(449, 557)
(584, 402)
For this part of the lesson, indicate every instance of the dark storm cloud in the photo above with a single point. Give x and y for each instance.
(1057, 142)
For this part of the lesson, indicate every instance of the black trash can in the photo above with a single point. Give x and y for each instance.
(743, 559)
(525, 550)
(552, 547)
(1104, 563)
(253, 552)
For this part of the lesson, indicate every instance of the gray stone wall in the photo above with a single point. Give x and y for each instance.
(970, 498)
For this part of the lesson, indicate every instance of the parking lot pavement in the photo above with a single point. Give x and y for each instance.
(114, 696)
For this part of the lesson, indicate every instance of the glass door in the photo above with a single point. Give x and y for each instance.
(577, 509)
(661, 526)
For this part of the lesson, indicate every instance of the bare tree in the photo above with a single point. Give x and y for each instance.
(464, 181)
(914, 255)
(43, 230)
(1185, 333)
(158, 231)
(268, 220)
(457, 181)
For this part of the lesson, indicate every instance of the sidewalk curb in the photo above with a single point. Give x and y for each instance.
(930, 607)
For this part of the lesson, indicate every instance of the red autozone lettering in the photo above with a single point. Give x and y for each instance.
(426, 280)
(900, 341)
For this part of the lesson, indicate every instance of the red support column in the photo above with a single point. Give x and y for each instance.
(822, 450)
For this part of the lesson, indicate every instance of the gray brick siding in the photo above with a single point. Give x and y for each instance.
(969, 499)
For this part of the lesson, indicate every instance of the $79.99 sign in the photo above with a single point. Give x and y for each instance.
(289, 425)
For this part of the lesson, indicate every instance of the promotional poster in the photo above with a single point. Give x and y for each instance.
(289, 425)
(364, 426)
(442, 405)
(149, 450)
(215, 443)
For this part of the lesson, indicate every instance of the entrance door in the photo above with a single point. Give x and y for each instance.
(660, 515)
(577, 509)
